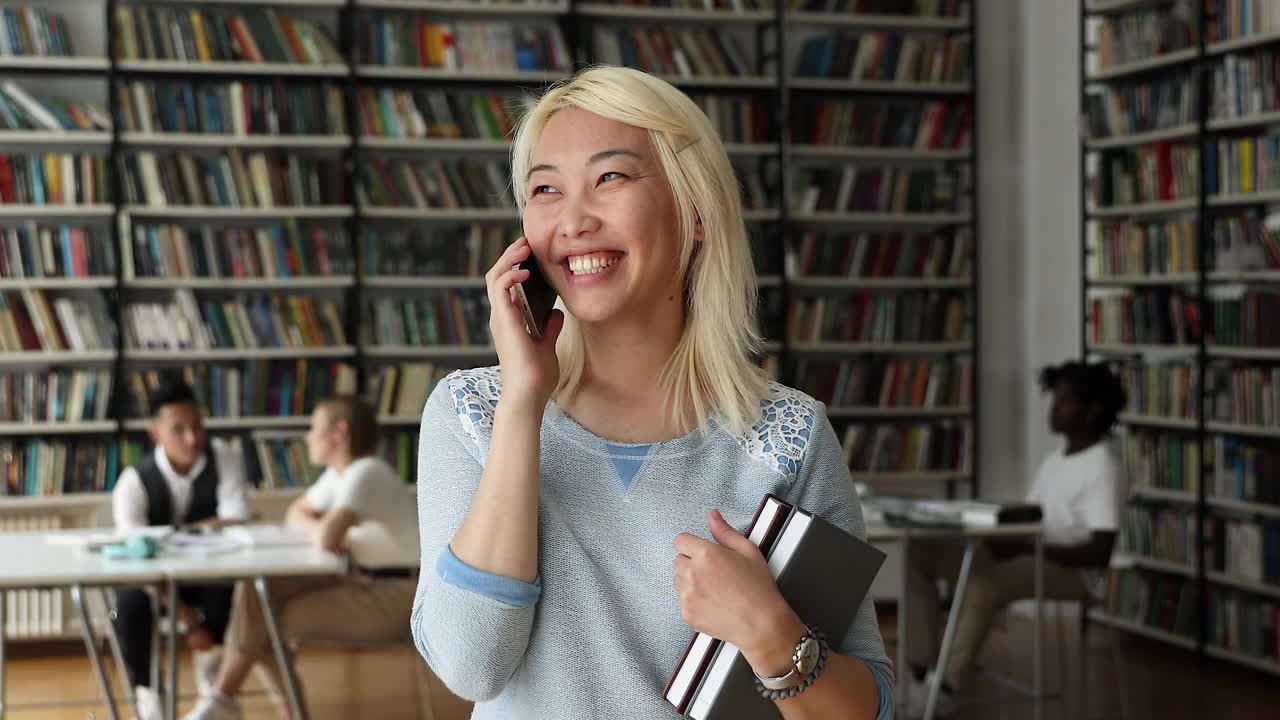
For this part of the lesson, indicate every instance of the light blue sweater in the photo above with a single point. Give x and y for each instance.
(599, 633)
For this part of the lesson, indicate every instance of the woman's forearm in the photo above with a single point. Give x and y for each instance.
(846, 689)
(499, 534)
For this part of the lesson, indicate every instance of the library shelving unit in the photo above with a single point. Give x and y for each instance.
(1180, 264)
(303, 195)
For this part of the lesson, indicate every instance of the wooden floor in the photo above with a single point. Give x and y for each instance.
(1159, 682)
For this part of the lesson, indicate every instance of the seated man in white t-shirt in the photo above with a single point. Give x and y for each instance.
(359, 507)
(1076, 487)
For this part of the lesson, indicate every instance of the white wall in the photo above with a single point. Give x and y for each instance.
(1029, 220)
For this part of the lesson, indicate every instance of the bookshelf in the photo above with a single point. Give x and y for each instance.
(221, 191)
(1177, 238)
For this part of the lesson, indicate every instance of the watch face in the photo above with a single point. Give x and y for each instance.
(807, 656)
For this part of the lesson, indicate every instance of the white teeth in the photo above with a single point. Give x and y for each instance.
(589, 265)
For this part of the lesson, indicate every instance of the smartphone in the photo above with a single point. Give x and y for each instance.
(536, 297)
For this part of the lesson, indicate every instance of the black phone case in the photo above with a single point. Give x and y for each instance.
(537, 298)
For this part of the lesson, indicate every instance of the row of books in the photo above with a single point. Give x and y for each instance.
(34, 31)
(886, 56)
(258, 388)
(1146, 33)
(1244, 470)
(21, 110)
(870, 188)
(456, 317)
(740, 119)
(42, 468)
(1247, 624)
(1240, 316)
(1238, 165)
(1244, 242)
(36, 250)
(1144, 248)
(911, 8)
(1150, 317)
(39, 468)
(1245, 549)
(231, 108)
(54, 178)
(404, 113)
(944, 446)
(202, 35)
(1167, 390)
(230, 179)
(434, 183)
(1141, 106)
(402, 390)
(889, 382)
(1154, 173)
(1230, 19)
(417, 40)
(1245, 84)
(918, 125)
(440, 251)
(1160, 460)
(284, 463)
(881, 255)
(244, 322)
(666, 50)
(1159, 532)
(1243, 395)
(879, 318)
(276, 250)
(1154, 600)
(29, 322)
(47, 396)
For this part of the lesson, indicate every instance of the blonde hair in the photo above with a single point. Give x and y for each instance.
(711, 370)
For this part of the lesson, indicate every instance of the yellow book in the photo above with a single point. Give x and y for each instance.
(202, 42)
(1246, 165)
(53, 178)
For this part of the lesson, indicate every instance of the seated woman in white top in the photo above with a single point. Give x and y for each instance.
(358, 506)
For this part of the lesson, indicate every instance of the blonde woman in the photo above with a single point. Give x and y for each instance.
(577, 503)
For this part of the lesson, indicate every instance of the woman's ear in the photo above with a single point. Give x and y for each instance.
(698, 233)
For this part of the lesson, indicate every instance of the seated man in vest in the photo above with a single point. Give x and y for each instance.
(187, 480)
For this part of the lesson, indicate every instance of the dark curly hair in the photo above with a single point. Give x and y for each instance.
(172, 391)
(1092, 384)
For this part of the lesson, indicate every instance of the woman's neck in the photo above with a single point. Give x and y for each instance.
(340, 462)
(625, 360)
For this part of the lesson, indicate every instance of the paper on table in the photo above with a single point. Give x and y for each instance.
(268, 535)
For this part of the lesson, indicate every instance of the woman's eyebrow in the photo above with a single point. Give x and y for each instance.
(598, 157)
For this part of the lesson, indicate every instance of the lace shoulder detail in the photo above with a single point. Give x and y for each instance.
(475, 394)
(781, 434)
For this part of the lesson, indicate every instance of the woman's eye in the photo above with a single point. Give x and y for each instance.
(543, 189)
(610, 176)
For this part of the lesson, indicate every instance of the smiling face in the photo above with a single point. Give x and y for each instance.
(601, 219)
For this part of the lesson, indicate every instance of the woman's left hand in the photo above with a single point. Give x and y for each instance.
(725, 587)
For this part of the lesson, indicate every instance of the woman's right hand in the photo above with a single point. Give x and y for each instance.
(530, 369)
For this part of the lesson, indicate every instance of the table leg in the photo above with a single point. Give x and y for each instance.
(171, 679)
(4, 598)
(117, 656)
(948, 635)
(296, 706)
(1037, 662)
(91, 647)
(903, 671)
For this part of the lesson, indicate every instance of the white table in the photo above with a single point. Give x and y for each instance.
(29, 560)
(32, 560)
(972, 536)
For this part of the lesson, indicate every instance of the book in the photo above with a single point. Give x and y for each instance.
(801, 562)
(763, 531)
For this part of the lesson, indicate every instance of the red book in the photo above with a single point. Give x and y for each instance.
(764, 530)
